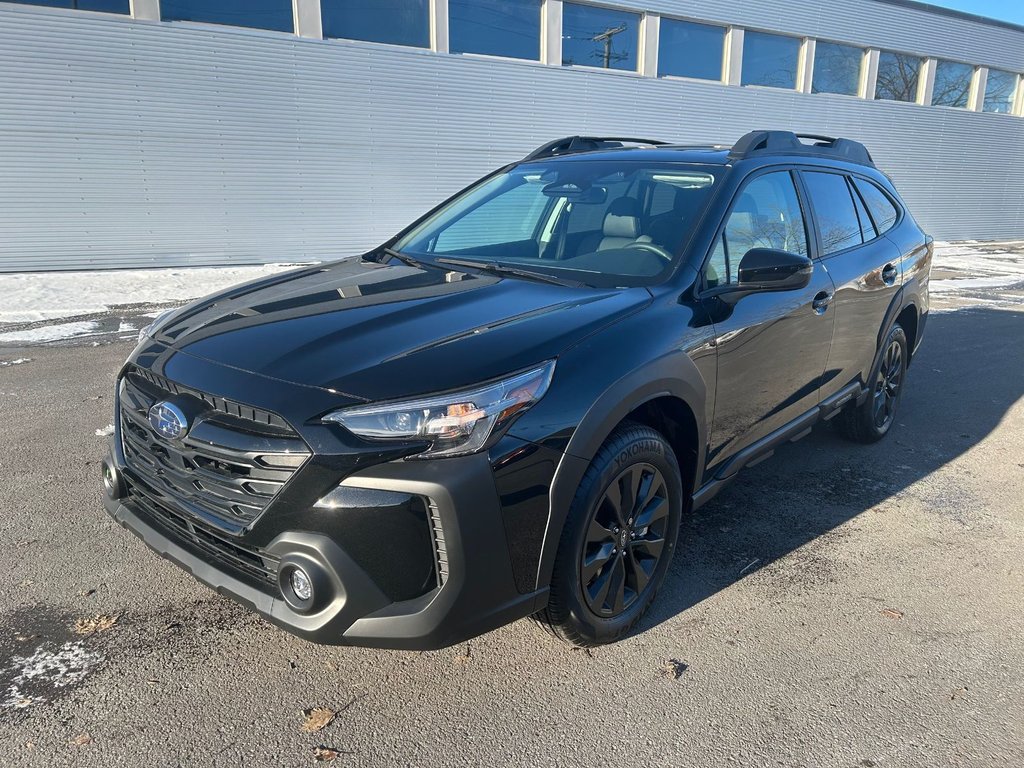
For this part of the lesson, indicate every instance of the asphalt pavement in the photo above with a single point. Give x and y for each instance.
(841, 605)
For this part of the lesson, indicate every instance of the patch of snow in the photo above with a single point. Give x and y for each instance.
(19, 361)
(106, 431)
(49, 333)
(36, 296)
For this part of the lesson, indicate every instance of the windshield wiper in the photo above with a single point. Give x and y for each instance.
(498, 268)
(402, 257)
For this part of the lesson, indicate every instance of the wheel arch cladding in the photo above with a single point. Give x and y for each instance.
(667, 395)
(908, 319)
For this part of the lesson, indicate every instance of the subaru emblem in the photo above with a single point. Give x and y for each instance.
(168, 420)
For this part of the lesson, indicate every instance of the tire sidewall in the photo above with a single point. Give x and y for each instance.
(643, 445)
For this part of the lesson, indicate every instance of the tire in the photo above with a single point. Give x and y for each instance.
(627, 546)
(872, 420)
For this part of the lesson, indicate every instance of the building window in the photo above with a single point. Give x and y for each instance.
(694, 50)
(769, 60)
(104, 6)
(897, 76)
(836, 68)
(952, 84)
(599, 37)
(399, 22)
(257, 14)
(495, 27)
(999, 91)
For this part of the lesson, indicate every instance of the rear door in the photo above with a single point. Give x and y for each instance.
(864, 265)
(772, 346)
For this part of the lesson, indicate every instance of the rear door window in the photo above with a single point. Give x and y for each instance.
(833, 207)
(883, 212)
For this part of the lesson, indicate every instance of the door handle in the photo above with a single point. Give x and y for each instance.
(821, 301)
(889, 274)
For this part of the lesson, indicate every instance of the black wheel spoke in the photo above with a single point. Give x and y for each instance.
(593, 564)
(598, 591)
(648, 548)
(640, 575)
(618, 590)
(598, 533)
(652, 512)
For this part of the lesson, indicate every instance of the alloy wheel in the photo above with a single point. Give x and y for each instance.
(887, 385)
(625, 540)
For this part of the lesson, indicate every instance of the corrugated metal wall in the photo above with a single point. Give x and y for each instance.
(131, 143)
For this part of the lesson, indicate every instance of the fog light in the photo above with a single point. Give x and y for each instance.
(112, 481)
(299, 581)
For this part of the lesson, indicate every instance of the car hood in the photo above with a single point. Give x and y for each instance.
(377, 332)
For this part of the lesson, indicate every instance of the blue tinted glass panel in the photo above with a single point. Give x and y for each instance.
(258, 14)
(599, 37)
(686, 49)
(952, 84)
(999, 90)
(400, 22)
(836, 69)
(897, 76)
(769, 60)
(106, 6)
(495, 27)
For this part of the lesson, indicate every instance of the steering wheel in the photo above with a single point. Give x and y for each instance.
(657, 250)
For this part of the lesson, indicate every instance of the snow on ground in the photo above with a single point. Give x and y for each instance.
(36, 296)
(50, 333)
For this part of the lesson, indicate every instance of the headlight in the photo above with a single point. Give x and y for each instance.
(455, 424)
(147, 331)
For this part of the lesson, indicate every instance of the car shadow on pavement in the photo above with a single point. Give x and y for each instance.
(967, 374)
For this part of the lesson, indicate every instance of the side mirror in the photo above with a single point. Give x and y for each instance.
(769, 269)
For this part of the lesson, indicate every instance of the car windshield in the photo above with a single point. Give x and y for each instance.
(598, 222)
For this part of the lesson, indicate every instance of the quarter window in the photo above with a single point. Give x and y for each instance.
(686, 49)
(834, 211)
(495, 27)
(883, 212)
(399, 22)
(836, 68)
(766, 214)
(999, 90)
(897, 76)
(599, 37)
(769, 60)
(258, 14)
(952, 84)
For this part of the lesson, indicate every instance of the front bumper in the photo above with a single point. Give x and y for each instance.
(478, 592)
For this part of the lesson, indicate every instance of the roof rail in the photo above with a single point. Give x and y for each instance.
(789, 143)
(572, 144)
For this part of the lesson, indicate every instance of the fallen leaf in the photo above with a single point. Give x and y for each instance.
(87, 592)
(464, 658)
(25, 583)
(90, 626)
(25, 638)
(961, 690)
(317, 719)
(324, 754)
(30, 745)
(82, 740)
(891, 613)
(673, 669)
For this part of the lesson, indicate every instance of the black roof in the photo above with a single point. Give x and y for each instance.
(754, 144)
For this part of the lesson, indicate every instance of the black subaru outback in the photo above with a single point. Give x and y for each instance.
(505, 410)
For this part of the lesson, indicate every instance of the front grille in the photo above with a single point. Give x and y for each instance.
(229, 466)
(247, 561)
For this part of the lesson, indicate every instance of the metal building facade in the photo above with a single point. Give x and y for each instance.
(127, 143)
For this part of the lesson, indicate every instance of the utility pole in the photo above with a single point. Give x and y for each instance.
(606, 38)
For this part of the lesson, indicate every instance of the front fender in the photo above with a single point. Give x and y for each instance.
(672, 375)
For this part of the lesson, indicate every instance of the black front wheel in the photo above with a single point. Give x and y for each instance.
(871, 420)
(618, 539)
